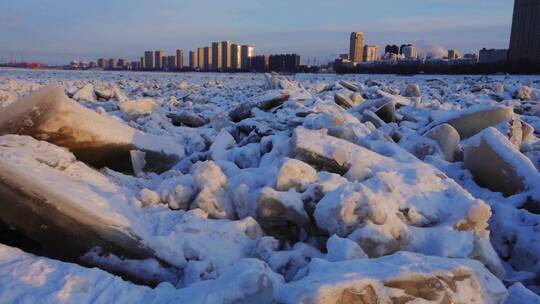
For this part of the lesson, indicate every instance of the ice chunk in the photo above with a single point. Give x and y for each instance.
(447, 138)
(295, 174)
(98, 140)
(400, 278)
(340, 249)
(54, 199)
(188, 119)
(134, 109)
(476, 119)
(264, 102)
(86, 93)
(499, 166)
(42, 280)
(282, 205)
(412, 90)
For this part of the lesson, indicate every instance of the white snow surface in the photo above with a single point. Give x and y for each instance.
(388, 216)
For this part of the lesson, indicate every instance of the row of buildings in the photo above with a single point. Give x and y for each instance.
(224, 56)
(523, 53)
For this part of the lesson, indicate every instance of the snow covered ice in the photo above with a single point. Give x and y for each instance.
(262, 188)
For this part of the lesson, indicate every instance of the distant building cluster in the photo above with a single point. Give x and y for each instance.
(523, 55)
(224, 56)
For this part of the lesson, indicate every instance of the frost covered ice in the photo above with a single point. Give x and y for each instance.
(247, 188)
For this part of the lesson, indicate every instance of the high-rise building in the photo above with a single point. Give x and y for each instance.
(259, 63)
(135, 65)
(170, 63)
(193, 64)
(141, 63)
(288, 63)
(122, 63)
(236, 57)
(200, 58)
(112, 64)
(149, 60)
(453, 54)
(248, 52)
(102, 63)
(371, 52)
(356, 49)
(208, 58)
(525, 36)
(409, 51)
(217, 59)
(159, 62)
(179, 59)
(226, 55)
(391, 49)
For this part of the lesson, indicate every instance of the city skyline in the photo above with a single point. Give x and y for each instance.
(309, 28)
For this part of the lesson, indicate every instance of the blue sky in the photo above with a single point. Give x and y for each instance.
(55, 31)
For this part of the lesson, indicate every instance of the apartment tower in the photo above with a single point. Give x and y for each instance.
(248, 52)
(356, 50)
(236, 57)
(179, 59)
(149, 63)
(208, 58)
(217, 59)
(226, 55)
(525, 36)
(193, 64)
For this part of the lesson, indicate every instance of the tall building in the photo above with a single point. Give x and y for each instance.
(122, 63)
(217, 59)
(236, 57)
(288, 63)
(391, 49)
(409, 51)
(179, 59)
(208, 58)
(200, 58)
(226, 55)
(170, 63)
(158, 61)
(102, 63)
(453, 54)
(193, 64)
(248, 52)
(135, 65)
(525, 36)
(141, 63)
(149, 60)
(112, 64)
(259, 63)
(356, 49)
(371, 52)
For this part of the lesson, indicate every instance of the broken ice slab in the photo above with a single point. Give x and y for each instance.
(265, 102)
(476, 119)
(65, 206)
(399, 278)
(42, 280)
(188, 119)
(496, 164)
(328, 152)
(406, 205)
(48, 114)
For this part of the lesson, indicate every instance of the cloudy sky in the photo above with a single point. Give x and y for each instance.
(56, 31)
